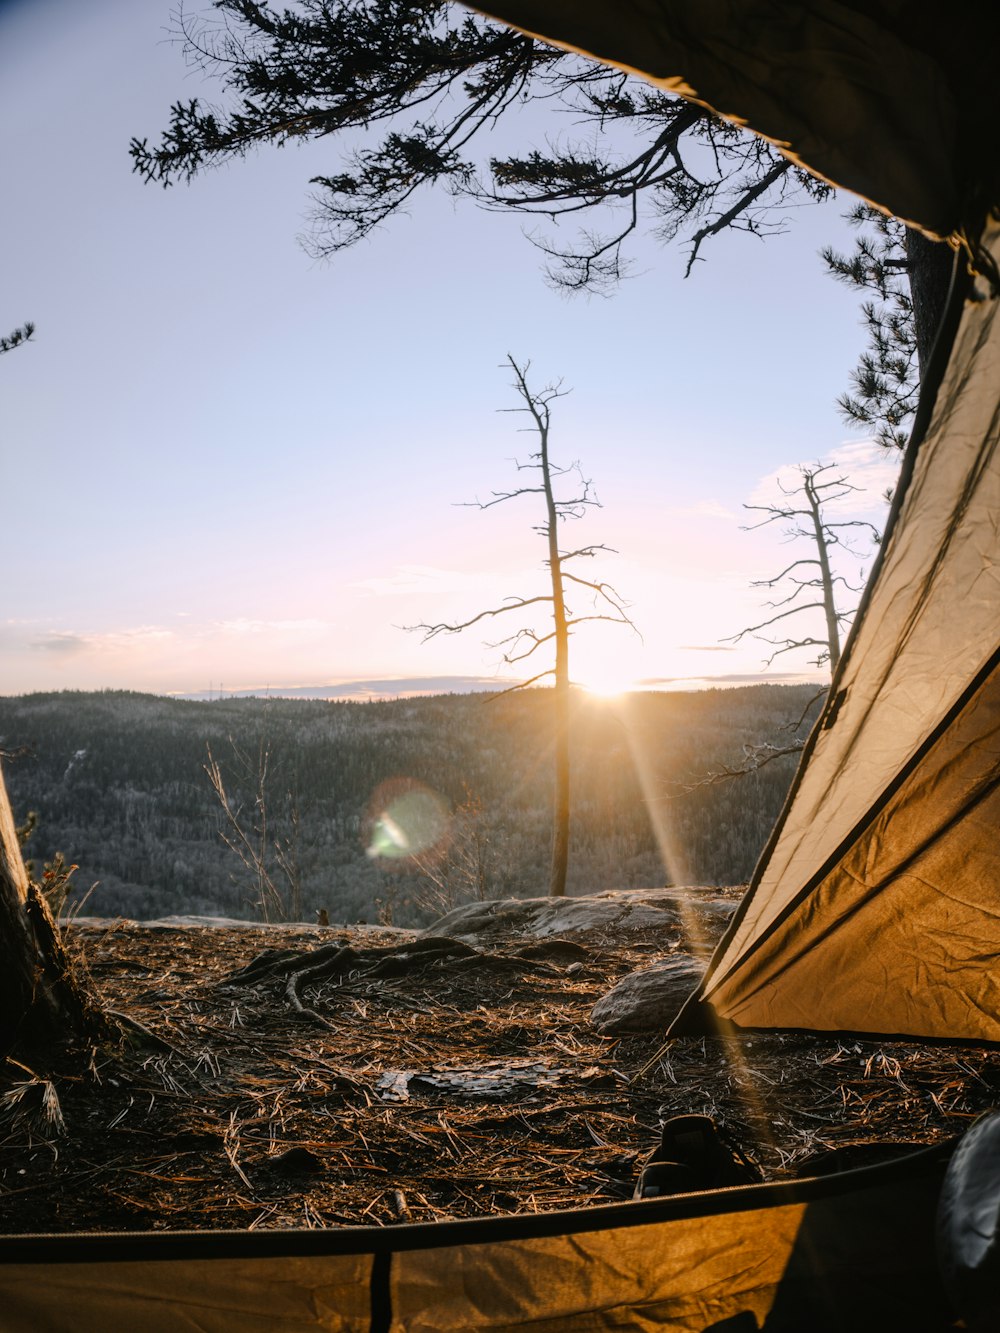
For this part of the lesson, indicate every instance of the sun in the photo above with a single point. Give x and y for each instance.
(603, 667)
(605, 683)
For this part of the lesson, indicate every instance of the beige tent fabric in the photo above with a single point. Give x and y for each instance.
(863, 95)
(858, 1258)
(293, 1294)
(879, 908)
(679, 1276)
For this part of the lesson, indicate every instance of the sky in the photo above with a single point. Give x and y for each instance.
(229, 465)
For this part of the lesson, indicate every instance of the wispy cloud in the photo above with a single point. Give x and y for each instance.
(243, 625)
(705, 648)
(864, 464)
(734, 678)
(408, 579)
(706, 509)
(61, 644)
(70, 643)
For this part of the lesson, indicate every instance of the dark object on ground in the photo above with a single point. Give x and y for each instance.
(692, 1156)
(297, 1162)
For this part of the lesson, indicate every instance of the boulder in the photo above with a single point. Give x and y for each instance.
(648, 1000)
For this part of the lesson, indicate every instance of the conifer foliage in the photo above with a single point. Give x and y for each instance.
(886, 380)
(409, 91)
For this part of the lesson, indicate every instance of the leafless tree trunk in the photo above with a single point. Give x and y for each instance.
(561, 801)
(39, 1000)
(607, 604)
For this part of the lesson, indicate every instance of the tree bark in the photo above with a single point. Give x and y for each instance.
(826, 574)
(39, 1001)
(561, 797)
(930, 268)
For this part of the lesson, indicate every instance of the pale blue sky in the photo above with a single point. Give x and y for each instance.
(224, 461)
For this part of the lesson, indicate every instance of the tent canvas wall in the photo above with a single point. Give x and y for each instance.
(876, 907)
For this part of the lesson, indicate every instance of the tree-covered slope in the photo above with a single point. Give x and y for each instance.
(119, 785)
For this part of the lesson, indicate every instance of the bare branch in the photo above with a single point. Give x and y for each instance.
(738, 210)
(515, 604)
(756, 757)
(524, 684)
(587, 551)
(536, 640)
(769, 583)
(752, 629)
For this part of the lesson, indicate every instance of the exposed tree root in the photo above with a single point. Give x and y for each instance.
(341, 962)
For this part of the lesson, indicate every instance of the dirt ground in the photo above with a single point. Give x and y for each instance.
(414, 1091)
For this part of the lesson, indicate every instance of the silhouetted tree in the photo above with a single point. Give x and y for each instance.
(422, 82)
(525, 642)
(811, 576)
(40, 1000)
(425, 81)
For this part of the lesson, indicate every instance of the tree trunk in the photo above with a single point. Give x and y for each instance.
(560, 826)
(39, 1002)
(561, 799)
(826, 574)
(930, 269)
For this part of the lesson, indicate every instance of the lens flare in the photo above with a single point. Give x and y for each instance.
(405, 819)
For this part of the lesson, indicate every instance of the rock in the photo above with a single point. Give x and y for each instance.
(297, 1162)
(694, 911)
(647, 1000)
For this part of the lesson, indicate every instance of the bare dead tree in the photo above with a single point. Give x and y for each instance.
(813, 576)
(251, 838)
(606, 603)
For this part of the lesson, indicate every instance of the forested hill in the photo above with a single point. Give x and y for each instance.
(119, 785)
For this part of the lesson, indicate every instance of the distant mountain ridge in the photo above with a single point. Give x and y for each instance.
(392, 687)
(408, 687)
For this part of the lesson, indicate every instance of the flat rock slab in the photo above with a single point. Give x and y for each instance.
(303, 928)
(648, 1000)
(695, 911)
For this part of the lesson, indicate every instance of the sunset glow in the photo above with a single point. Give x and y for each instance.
(607, 685)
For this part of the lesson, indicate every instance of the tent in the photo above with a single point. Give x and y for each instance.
(876, 907)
